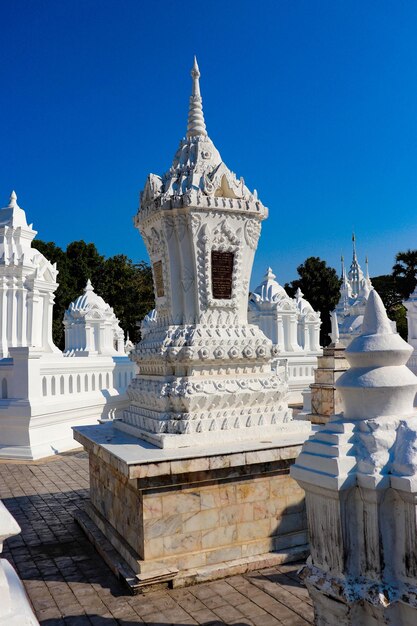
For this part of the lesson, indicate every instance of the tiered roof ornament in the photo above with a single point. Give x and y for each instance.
(91, 327)
(196, 124)
(27, 284)
(355, 274)
(293, 327)
(354, 292)
(197, 171)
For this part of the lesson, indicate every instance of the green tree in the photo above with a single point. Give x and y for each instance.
(84, 262)
(320, 285)
(404, 272)
(128, 288)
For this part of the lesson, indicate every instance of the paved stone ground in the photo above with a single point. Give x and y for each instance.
(69, 585)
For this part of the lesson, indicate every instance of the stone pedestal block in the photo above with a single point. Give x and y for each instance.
(187, 515)
(325, 399)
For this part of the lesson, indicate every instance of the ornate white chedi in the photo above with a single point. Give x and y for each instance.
(205, 373)
(15, 609)
(42, 393)
(354, 293)
(91, 327)
(27, 285)
(293, 327)
(360, 478)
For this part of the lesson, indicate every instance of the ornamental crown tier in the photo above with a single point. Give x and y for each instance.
(197, 175)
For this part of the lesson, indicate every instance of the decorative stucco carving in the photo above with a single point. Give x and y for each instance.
(205, 373)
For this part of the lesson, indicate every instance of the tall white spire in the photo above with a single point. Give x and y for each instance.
(367, 277)
(196, 124)
(354, 246)
(13, 198)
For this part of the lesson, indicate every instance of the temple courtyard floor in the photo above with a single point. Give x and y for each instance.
(69, 584)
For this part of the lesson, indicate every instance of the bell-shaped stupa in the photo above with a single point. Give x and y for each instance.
(360, 478)
(91, 327)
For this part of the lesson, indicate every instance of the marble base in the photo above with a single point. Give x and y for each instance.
(182, 515)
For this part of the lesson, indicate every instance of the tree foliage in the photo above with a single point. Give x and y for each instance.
(320, 285)
(404, 272)
(124, 285)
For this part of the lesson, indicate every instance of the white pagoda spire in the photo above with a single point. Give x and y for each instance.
(355, 274)
(354, 246)
(196, 124)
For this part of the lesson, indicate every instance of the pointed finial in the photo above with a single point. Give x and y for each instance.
(13, 198)
(335, 328)
(196, 124)
(89, 286)
(354, 246)
(299, 294)
(367, 268)
(269, 274)
(375, 320)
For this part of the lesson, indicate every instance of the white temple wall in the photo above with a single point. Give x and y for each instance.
(47, 396)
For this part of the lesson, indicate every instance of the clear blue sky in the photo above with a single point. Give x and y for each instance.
(314, 103)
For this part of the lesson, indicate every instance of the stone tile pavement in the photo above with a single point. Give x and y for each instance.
(69, 585)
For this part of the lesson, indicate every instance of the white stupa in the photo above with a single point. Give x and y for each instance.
(205, 373)
(15, 609)
(27, 285)
(293, 327)
(360, 477)
(91, 327)
(42, 393)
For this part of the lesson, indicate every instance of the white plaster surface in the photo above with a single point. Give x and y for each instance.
(91, 327)
(206, 374)
(354, 293)
(42, 392)
(293, 327)
(359, 475)
(15, 609)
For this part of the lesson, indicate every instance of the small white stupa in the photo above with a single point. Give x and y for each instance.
(27, 286)
(360, 478)
(293, 327)
(91, 327)
(15, 609)
(42, 393)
